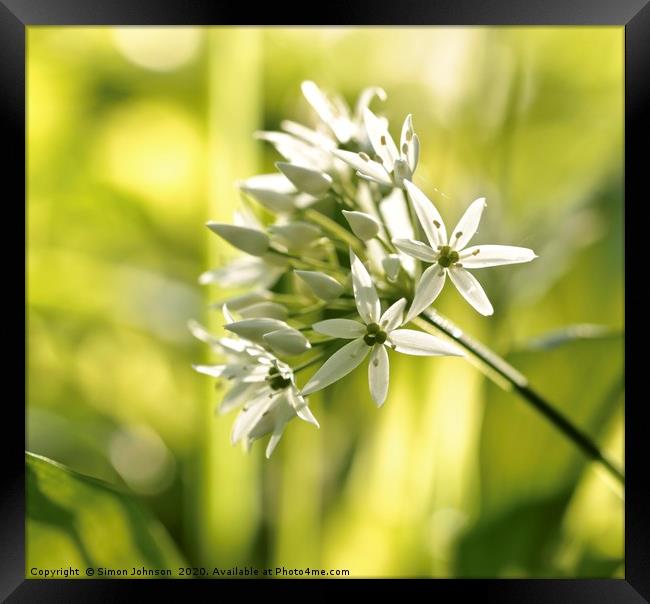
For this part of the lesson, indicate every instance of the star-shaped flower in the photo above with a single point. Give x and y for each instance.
(391, 166)
(262, 385)
(451, 256)
(372, 334)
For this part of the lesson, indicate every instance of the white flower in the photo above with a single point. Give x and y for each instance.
(374, 334)
(335, 113)
(451, 256)
(391, 165)
(262, 385)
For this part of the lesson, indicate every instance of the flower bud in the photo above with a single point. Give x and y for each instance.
(296, 235)
(363, 225)
(287, 341)
(322, 286)
(391, 265)
(273, 191)
(254, 330)
(310, 181)
(271, 310)
(251, 241)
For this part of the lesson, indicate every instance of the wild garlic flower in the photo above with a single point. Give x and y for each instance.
(373, 334)
(451, 256)
(390, 165)
(337, 116)
(303, 231)
(261, 385)
(309, 148)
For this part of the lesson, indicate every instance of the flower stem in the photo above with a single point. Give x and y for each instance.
(506, 376)
(311, 361)
(334, 228)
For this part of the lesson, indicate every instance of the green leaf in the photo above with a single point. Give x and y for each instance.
(74, 520)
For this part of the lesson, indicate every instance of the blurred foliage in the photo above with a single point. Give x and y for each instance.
(80, 522)
(135, 138)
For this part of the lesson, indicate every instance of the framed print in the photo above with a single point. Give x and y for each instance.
(338, 302)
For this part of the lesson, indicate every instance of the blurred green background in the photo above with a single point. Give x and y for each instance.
(135, 138)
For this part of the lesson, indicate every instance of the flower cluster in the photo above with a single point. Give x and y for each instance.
(343, 253)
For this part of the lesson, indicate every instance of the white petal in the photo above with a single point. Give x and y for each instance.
(287, 341)
(227, 315)
(364, 165)
(363, 225)
(275, 182)
(378, 374)
(211, 370)
(251, 241)
(271, 310)
(239, 394)
(299, 403)
(250, 415)
(471, 290)
(323, 286)
(297, 234)
(332, 113)
(342, 362)
(366, 96)
(395, 213)
(238, 302)
(255, 329)
(414, 153)
(380, 139)
(340, 328)
(481, 256)
(419, 343)
(393, 316)
(416, 249)
(310, 181)
(365, 294)
(428, 215)
(394, 209)
(201, 333)
(318, 100)
(427, 290)
(409, 145)
(274, 191)
(313, 137)
(245, 270)
(467, 225)
(273, 441)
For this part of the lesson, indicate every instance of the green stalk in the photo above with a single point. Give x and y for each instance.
(506, 376)
(335, 229)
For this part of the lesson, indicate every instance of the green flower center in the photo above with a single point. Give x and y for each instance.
(374, 335)
(276, 380)
(447, 256)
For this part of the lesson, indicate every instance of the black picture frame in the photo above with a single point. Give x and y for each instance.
(634, 15)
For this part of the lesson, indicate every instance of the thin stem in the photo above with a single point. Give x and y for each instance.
(312, 262)
(310, 362)
(334, 228)
(506, 376)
